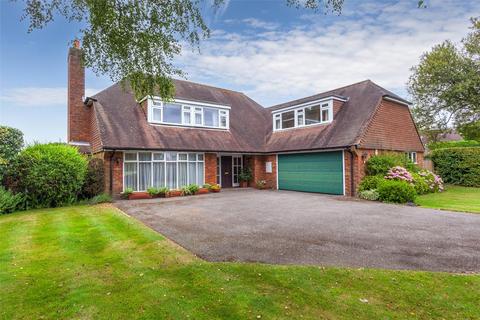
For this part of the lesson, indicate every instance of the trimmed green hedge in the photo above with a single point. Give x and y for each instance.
(453, 144)
(460, 166)
(49, 175)
(396, 191)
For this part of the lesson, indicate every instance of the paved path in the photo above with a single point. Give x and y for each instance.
(284, 227)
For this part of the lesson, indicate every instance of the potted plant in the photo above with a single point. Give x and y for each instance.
(153, 192)
(204, 189)
(261, 184)
(163, 192)
(215, 188)
(126, 193)
(245, 176)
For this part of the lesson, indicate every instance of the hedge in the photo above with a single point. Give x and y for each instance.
(453, 144)
(94, 184)
(49, 175)
(460, 166)
(396, 191)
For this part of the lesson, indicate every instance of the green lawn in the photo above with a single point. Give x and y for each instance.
(453, 198)
(94, 262)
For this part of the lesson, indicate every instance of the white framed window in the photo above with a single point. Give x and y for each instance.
(142, 170)
(412, 156)
(307, 115)
(185, 113)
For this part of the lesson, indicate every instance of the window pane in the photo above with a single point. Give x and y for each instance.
(145, 175)
(312, 115)
(130, 156)
(210, 117)
(277, 123)
(158, 174)
(182, 157)
(200, 157)
(171, 156)
(300, 118)
(200, 173)
(157, 114)
(186, 116)
(198, 116)
(172, 113)
(171, 175)
(144, 156)
(158, 156)
(192, 172)
(223, 118)
(325, 115)
(131, 175)
(288, 119)
(182, 174)
(192, 156)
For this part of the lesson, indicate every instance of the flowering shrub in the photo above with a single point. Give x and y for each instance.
(435, 183)
(399, 173)
(369, 194)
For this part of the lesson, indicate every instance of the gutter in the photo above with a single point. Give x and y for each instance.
(111, 172)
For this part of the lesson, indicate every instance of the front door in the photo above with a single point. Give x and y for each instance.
(226, 171)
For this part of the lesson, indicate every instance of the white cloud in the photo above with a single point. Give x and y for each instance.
(370, 41)
(37, 96)
(260, 24)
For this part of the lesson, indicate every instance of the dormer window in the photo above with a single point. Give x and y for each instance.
(305, 115)
(188, 113)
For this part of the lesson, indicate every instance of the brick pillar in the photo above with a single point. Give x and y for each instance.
(117, 173)
(78, 122)
(211, 168)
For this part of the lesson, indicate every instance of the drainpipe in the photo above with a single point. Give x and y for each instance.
(111, 172)
(352, 177)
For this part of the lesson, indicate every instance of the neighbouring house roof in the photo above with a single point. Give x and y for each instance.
(123, 123)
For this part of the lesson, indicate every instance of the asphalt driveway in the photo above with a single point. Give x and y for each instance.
(283, 227)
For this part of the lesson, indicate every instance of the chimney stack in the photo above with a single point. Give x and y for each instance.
(78, 114)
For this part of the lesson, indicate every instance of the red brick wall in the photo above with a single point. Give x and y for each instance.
(117, 171)
(257, 163)
(78, 123)
(211, 168)
(392, 128)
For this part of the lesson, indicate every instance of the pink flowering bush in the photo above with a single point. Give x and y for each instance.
(435, 183)
(399, 173)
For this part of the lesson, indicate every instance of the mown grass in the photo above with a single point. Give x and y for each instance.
(454, 198)
(88, 262)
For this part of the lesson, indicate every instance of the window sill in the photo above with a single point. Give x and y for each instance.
(303, 127)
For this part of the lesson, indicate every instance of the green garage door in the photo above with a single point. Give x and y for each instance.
(312, 172)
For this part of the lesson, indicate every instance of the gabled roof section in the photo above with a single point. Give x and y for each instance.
(347, 126)
(123, 123)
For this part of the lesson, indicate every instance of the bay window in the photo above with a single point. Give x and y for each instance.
(303, 116)
(188, 114)
(174, 170)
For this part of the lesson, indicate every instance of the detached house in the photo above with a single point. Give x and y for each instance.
(207, 135)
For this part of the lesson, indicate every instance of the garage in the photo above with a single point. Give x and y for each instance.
(311, 172)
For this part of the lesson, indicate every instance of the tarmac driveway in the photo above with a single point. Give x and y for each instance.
(284, 227)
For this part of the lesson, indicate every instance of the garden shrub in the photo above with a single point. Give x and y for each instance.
(399, 173)
(396, 191)
(434, 182)
(49, 175)
(370, 182)
(420, 184)
(153, 191)
(369, 194)
(94, 179)
(101, 198)
(190, 189)
(126, 193)
(380, 164)
(460, 166)
(11, 142)
(10, 202)
(453, 144)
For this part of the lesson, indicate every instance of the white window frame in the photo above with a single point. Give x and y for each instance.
(199, 158)
(194, 108)
(412, 156)
(323, 105)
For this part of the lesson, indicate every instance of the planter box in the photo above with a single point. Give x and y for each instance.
(243, 184)
(215, 191)
(139, 195)
(202, 191)
(174, 193)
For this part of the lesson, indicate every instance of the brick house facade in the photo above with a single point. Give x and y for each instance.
(208, 134)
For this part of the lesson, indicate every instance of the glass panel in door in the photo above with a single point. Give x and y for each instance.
(236, 169)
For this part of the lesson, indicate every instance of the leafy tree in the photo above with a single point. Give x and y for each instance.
(445, 85)
(136, 41)
(470, 131)
(11, 142)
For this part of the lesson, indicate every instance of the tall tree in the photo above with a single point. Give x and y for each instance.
(445, 85)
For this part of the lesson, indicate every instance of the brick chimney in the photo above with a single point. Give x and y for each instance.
(78, 114)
